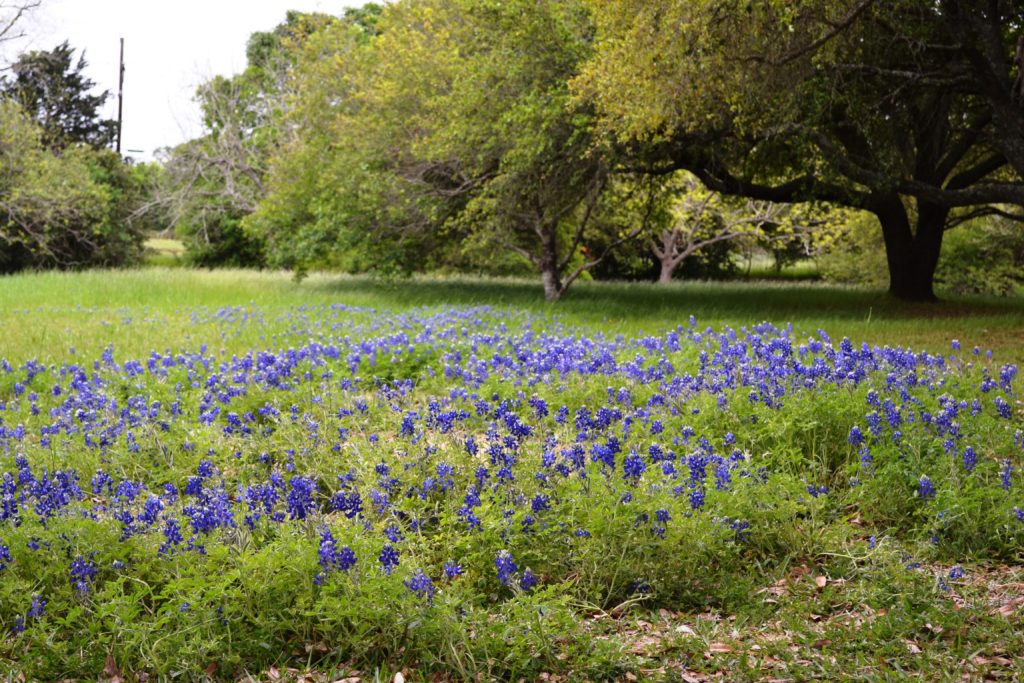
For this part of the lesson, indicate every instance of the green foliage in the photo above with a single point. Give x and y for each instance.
(625, 599)
(66, 211)
(53, 90)
(857, 256)
(863, 104)
(442, 135)
(212, 183)
(983, 257)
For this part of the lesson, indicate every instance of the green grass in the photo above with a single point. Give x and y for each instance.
(165, 252)
(41, 315)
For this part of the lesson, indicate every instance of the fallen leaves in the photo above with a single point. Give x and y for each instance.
(111, 671)
(1010, 606)
(646, 646)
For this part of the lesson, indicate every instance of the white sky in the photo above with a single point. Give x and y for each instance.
(170, 48)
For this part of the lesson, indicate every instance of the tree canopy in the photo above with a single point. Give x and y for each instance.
(51, 86)
(62, 211)
(905, 109)
(514, 135)
(447, 123)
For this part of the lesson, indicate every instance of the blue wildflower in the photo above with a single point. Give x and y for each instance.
(633, 467)
(388, 558)
(82, 571)
(421, 585)
(528, 580)
(5, 557)
(506, 566)
(925, 488)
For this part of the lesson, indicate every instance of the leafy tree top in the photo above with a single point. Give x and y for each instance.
(51, 86)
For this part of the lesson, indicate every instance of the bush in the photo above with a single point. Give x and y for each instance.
(67, 211)
(986, 257)
(858, 256)
(218, 241)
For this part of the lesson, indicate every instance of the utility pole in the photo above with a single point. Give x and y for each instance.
(120, 97)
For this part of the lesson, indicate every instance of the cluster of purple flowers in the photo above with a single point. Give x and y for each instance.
(405, 429)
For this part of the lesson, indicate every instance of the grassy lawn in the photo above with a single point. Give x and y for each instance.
(229, 475)
(44, 314)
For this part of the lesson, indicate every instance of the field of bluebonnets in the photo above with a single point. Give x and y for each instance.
(311, 488)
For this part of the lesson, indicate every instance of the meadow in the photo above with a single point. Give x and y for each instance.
(233, 476)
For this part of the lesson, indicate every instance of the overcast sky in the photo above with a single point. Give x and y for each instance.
(170, 47)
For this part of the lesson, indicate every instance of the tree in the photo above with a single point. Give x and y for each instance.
(869, 105)
(11, 14)
(213, 182)
(988, 39)
(56, 93)
(209, 184)
(66, 211)
(453, 119)
(323, 195)
(699, 218)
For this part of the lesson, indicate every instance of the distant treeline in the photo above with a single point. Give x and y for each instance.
(586, 138)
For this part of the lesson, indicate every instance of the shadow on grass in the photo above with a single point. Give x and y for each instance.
(705, 300)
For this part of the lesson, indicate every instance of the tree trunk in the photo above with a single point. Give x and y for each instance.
(549, 274)
(665, 254)
(912, 256)
(667, 268)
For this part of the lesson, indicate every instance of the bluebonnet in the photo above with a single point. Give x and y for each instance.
(723, 475)
(816, 491)
(970, 459)
(393, 533)
(528, 580)
(172, 536)
(82, 571)
(38, 607)
(925, 488)
(633, 467)
(388, 558)
(211, 511)
(300, 497)
(421, 585)
(506, 567)
(331, 557)
(1003, 408)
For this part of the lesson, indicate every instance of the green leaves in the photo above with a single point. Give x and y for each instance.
(66, 211)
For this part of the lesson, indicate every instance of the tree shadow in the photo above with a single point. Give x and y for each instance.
(633, 300)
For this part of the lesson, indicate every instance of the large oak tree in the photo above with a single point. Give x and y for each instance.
(910, 110)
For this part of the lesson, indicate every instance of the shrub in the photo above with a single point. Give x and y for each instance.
(984, 257)
(858, 257)
(66, 211)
